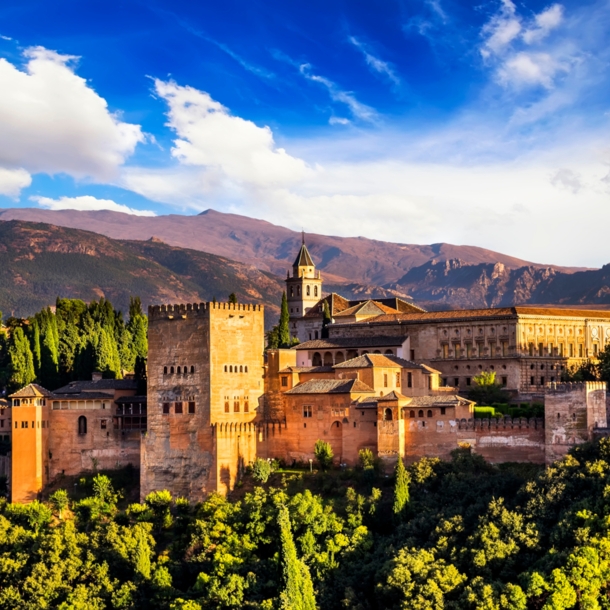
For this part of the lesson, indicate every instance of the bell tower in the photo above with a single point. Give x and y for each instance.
(304, 288)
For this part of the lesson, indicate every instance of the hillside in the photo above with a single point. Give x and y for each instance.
(38, 262)
(270, 247)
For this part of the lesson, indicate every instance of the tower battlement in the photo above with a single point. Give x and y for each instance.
(575, 386)
(156, 312)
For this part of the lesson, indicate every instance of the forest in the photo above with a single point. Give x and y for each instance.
(461, 534)
(53, 348)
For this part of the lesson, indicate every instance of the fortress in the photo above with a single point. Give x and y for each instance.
(380, 375)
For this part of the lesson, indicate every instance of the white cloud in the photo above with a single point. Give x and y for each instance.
(358, 109)
(545, 21)
(87, 203)
(376, 64)
(52, 121)
(530, 69)
(567, 179)
(12, 181)
(337, 120)
(501, 29)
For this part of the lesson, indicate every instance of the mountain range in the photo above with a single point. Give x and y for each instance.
(178, 257)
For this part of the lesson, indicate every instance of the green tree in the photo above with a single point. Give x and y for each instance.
(59, 501)
(21, 361)
(324, 454)
(401, 489)
(486, 391)
(284, 339)
(233, 298)
(298, 593)
(261, 470)
(326, 320)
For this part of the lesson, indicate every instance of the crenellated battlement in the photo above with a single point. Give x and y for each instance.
(502, 423)
(574, 386)
(158, 312)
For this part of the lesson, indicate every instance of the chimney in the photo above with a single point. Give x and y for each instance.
(96, 376)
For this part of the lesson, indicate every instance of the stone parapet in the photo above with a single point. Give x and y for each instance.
(572, 386)
(163, 311)
(507, 423)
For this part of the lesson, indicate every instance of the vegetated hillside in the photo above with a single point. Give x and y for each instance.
(455, 283)
(270, 247)
(39, 262)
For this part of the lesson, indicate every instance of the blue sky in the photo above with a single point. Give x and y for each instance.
(415, 121)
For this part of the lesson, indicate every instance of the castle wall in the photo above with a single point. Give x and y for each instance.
(101, 447)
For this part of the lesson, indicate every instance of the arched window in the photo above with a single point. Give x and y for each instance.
(165, 370)
(328, 359)
(227, 410)
(558, 416)
(241, 368)
(171, 370)
(387, 415)
(308, 291)
(315, 334)
(82, 425)
(192, 369)
(246, 407)
(291, 291)
(420, 413)
(231, 369)
(389, 352)
(411, 413)
(317, 359)
(315, 291)
(246, 368)
(178, 370)
(339, 358)
(236, 406)
(429, 413)
(298, 291)
(226, 368)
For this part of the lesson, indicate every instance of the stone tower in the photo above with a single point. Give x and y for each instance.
(205, 388)
(304, 288)
(572, 413)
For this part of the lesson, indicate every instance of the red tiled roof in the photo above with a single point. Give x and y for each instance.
(367, 307)
(330, 386)
(32, 390)
(379, 360)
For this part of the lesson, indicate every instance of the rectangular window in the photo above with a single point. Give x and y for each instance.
(445, 351)
(469, 350)
(409, 380)
(443, 410)
(541, 380)
(561, 349)
(284, 382)
(595, 349)
(541, 349)
(24, 424)
(236, 406)
(227, 408)
(307, 411)
(103, 424)
(397, 380)
(467, 380)
(550, 349)
(191, 407)
(165, 408)
(44, 423)
(412, 354)
(532, 381)
(456, 381)
(505, 348)
(1, 423)
(580, 350)
(177, 407)
(385, 380)
(246, 407)
(531, 349)
(429, 382)
(16, 426)
(504, 380)
(458, 351)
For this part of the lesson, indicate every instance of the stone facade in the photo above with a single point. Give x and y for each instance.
(205, 389)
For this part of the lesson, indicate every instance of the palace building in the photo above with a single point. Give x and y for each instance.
(383, 375)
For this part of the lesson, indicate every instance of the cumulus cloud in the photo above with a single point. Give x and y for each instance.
(377, 65)
(501, 29)
(52, 121)
(86, 203)
(12, 181)
(545, 21)
(530, 69)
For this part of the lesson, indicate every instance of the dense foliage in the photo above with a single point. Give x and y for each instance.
(54, 348)
(470, 536)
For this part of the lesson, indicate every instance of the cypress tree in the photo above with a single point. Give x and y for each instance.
(401, 489)
(284, 328)
(298, 593)
(233, 298)
(142, 552)
(49, 357)
(35, 342)
(21, 360)
(326, 320)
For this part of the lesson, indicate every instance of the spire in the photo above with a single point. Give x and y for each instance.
(302, 238)
(303, 258)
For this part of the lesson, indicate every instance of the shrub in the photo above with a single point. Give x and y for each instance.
(261, 470)
(324, 454)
